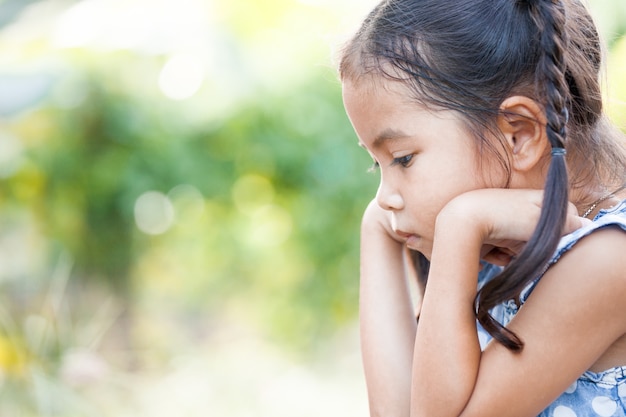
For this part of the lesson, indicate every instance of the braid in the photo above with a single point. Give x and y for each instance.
(552, 87)
(549, 16)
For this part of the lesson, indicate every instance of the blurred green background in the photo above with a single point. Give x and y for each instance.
(180, 197)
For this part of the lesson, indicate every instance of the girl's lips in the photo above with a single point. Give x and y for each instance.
(404, 235)
(410, 238)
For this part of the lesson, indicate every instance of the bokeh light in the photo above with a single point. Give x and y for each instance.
(181, 77)
(268, 227)
(188, 203)
(154, 213)
(252, 192)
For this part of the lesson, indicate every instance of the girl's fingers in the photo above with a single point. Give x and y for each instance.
(573, 221)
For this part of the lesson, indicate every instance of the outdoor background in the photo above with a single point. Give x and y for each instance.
(180, 195)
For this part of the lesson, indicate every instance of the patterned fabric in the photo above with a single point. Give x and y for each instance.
(593, 394)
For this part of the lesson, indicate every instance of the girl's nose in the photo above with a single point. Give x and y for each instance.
(388, 198)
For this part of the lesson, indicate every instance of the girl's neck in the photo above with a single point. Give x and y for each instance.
(600, 200)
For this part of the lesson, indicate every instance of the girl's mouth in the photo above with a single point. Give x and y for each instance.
(403, 235)
(410, 239)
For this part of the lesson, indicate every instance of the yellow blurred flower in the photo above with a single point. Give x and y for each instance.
(12, 356)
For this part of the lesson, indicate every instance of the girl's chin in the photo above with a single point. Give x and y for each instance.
(419, 245)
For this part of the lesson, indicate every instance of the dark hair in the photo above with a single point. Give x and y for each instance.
(468, 57)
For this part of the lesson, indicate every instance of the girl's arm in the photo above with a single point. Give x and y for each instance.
(447, 351)
(387, 316)
(580, 299)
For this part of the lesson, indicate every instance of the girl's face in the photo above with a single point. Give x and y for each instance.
(425, 157)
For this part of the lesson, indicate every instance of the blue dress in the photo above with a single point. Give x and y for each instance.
(594, 394)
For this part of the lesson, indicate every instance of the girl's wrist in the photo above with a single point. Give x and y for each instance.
(461, 219)
(459, 236)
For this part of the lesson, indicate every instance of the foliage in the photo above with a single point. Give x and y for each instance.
(275, 186)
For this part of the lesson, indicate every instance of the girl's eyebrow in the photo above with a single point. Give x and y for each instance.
(388, 134)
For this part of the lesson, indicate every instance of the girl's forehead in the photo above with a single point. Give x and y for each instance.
(370, 100)
(379, 98)
(372, 87)
(361, 86)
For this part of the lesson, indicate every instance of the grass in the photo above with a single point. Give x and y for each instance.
(74, 352)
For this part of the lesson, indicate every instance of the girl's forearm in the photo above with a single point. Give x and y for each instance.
(387, 320)
(447, 352)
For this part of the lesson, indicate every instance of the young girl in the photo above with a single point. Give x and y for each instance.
(485, 120)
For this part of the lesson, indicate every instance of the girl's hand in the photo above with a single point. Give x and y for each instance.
(502, 219)
(376, 223)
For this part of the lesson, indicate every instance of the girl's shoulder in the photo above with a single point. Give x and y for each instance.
(604, 248)
(614, 216)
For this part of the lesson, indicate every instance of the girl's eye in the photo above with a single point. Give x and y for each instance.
(405, 161)
(374, 167)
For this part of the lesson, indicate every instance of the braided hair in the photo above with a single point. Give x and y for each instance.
(549, 17)
(469, 57)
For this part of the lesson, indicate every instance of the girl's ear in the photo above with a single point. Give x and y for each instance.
(523, 124)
